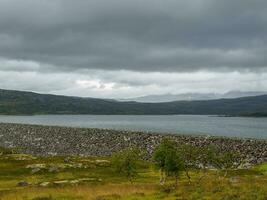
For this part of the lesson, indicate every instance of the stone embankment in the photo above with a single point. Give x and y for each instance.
(51, 140)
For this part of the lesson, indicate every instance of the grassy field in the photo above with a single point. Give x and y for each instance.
(25, 177)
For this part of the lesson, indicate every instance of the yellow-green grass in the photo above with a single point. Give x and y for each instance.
(101, 182)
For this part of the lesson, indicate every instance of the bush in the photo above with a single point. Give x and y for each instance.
(126, 162)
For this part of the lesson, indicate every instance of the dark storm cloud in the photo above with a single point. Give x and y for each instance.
(137, 35)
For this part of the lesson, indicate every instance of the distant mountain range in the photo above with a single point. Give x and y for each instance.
(29, 103)
(192, 96)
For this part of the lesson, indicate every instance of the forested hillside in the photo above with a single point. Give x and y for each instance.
(17, 102)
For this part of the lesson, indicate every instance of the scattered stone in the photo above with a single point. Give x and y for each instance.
(44, 184)
(74, 181)
(246, 165)
(20, 157)
(63, 141)
(53, 169)
(35, 170)
(102, 161)
(22, 184)
(63, 182)
(34, 166)
(67, 182)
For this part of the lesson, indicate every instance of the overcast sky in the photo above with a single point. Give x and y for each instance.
(128, 48)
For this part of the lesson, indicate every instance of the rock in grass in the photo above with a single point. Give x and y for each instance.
(20, 157)
(35, 170)
(74, 181)
(53, 169)
(33, 166)
(44, 184)
(22, 184)
(63, 182)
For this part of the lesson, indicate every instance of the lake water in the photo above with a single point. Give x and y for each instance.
(180, 124)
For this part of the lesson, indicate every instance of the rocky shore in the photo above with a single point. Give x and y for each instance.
(52, 140)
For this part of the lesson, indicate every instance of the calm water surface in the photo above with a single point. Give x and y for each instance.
(180, 124)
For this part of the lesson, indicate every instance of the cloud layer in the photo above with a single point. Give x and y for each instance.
(139, 35)
(137, 46)
(126, 84)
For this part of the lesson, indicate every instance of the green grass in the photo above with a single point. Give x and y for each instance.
(262, 168)
(97, 180)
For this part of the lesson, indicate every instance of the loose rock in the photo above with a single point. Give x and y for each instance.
(64, 141)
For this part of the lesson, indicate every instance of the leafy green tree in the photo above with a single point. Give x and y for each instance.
(126, 162)
(168, 160)
(174, 164)
(160, 156)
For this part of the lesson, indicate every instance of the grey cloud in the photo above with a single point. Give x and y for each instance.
(136, 35)
(121, 84)
(18, 65)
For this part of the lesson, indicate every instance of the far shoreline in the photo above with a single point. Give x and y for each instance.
(250, 115)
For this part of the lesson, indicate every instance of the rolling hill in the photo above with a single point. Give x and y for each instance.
(29, 103)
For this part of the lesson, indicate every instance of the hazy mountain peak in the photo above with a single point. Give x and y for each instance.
(168, 97)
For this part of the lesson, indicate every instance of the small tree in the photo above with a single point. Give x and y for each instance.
(206, 157)
(211, 156)
(174, 164)
(168, 160)
(189, 155)
(160, 156)
(126, 162)
(227, 161)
